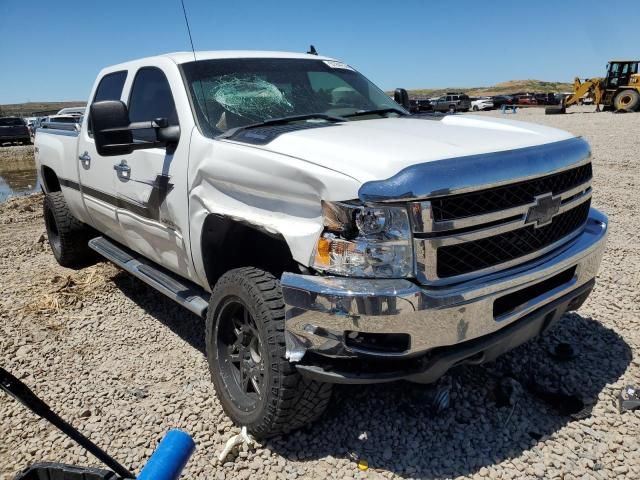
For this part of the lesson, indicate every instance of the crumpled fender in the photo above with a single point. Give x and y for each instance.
(274, 192)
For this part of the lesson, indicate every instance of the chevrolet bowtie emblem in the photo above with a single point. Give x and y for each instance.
(543, 211)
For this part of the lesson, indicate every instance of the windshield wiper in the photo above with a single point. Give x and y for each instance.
(282, 121)
(379, 111)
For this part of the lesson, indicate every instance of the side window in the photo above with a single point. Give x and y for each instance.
(150, 98)
(109, 88)
(448, 98)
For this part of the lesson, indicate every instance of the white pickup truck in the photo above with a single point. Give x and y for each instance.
(326, 235)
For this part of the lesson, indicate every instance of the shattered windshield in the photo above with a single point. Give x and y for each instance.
(230, 93)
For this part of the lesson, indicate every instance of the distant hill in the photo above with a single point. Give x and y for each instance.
(28, 109)
(504, 88)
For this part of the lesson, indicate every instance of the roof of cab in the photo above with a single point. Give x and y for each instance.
(184, 57)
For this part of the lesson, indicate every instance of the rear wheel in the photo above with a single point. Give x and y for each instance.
(255, 383)
(628, 100)
(68, 236)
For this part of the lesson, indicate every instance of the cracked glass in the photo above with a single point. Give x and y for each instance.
(229, 93)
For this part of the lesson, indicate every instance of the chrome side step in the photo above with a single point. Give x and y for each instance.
(186, 293)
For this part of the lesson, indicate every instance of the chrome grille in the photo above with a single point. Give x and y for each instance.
(487, 252)
(500, 198)
(466, 235)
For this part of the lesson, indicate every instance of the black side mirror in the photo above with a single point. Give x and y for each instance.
(112, 130)
(109, 122)
(401, 96)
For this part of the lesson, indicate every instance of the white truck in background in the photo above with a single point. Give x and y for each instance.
(326, 235)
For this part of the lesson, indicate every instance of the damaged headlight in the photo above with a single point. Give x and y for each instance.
(365, 241)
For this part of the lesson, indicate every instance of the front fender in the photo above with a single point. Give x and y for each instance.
(273, 192)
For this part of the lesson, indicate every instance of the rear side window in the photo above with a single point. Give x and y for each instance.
(151, 98)
(110, 87)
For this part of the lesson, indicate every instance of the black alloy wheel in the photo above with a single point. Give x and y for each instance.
(241, 354)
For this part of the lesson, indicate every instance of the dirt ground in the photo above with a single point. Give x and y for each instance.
(125, 364)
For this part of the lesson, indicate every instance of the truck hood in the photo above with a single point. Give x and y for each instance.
(376, 149)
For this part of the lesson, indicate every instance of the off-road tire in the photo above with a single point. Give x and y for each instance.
(26, 142)
(68, 236)
(290, 400)
(628, 100)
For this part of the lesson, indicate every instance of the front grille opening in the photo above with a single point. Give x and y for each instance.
(513, 301)
(487, 252)
(378, 342)
(507, 196)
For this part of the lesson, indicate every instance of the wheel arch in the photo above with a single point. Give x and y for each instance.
(50, 180)
(227, 243)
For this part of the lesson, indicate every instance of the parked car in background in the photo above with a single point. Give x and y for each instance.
(545, 98)
(64, 119)
(500, 100)
(452, 102)
(527, 100)
(417, 106)
(31, 124)
(14, 129)
(71, 122)
(484, 103)
(37, 121)
(74, 111)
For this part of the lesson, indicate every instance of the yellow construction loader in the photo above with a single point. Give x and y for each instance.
(619, 90)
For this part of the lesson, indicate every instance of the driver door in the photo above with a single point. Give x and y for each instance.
(151, 183)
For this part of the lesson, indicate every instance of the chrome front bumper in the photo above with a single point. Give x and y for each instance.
(327, 315)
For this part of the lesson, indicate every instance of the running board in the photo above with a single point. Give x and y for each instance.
(186, 293)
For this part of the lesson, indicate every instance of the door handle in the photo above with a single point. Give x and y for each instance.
(85, 158)
(123, 170)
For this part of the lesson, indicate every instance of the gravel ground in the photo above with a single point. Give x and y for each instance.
(125, 364)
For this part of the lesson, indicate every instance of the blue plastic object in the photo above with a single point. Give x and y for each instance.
(169, 458)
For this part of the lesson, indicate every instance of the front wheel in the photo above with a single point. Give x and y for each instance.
(255, 383)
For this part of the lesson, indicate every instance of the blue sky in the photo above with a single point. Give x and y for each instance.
(52, 50)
